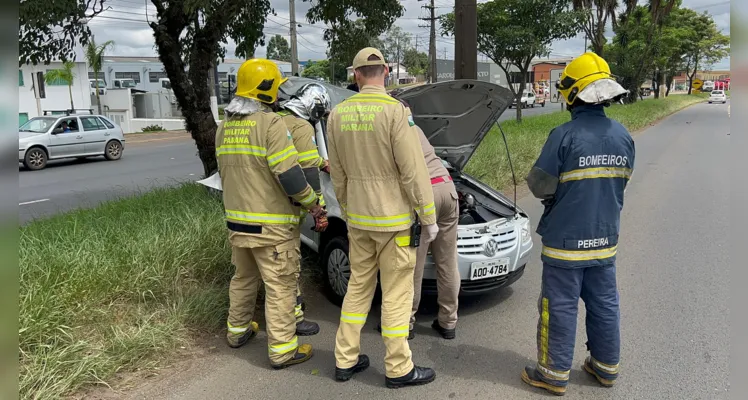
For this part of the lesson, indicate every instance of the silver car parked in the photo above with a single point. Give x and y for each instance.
(494, 238)
(47, 138)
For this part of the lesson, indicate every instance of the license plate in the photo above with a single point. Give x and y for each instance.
(489, 269)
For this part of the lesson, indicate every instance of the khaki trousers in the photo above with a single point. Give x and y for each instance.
(444, 252)
(276, 266)
(390, 254)
(298, 312)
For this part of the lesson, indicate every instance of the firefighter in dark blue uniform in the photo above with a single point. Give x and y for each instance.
(581, 176)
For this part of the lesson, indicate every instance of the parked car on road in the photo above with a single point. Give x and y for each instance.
(47, 138)
(494, 238)
(527, 100)
(717, 96)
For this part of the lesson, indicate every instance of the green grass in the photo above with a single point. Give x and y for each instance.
(525, 139)
(118, 287)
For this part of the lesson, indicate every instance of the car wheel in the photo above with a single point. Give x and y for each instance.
(337, 268)
(542, 104)
(113, 150)
(36, 159)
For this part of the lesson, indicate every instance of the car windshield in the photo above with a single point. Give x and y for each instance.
(38, 124)
(128, 84)
(716, 92)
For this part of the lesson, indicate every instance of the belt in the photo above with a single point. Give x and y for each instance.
(441, 179)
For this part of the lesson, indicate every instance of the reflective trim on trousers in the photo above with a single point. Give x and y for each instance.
(544, 318)
(262, 217)
(553, 374)
(366, 220)
(284, 348)
(353, 318)
(592, 173)
(580, 255)
(610, 369)
(402, 241)
(237, 330)
(395, 331)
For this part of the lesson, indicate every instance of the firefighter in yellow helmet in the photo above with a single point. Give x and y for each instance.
(300, 113)
(263, 186)
(580, 176)
(379, 176)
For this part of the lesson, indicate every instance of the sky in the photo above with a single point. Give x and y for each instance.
(125, 24)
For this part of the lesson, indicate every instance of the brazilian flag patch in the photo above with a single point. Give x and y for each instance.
(410, 120)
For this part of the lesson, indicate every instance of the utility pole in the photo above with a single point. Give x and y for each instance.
(397, 60)
(294, 53)
(432, 41)
(466, 39)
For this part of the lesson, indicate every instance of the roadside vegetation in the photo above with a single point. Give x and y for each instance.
(525, 139)
(117, 287)
(122, 286)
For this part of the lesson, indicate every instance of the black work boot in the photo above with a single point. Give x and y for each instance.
(344, 374)
(307, 328)
(446, 333)
(303, 353)
(531, 376)
(417, 376)
(591, 370)
(238, 340)
(411, 333)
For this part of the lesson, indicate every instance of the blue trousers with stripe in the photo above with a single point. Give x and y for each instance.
(558, 306)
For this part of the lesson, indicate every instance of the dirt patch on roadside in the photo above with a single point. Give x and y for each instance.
(146, 137)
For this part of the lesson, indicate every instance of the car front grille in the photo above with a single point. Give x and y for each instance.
(473, 244)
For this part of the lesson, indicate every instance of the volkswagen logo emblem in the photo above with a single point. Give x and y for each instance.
(490, 248)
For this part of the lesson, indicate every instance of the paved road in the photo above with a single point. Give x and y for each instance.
(511, 113)
(673, 278)
(66, 185)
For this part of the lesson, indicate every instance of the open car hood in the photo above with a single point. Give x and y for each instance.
(456, 115)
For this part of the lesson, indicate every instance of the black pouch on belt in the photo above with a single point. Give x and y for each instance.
(415, 233)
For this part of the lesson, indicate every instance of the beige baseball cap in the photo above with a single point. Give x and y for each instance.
(362, 58)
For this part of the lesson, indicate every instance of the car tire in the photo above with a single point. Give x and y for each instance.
(35, 159)
(113, 150)
(336, 268)
(542, 104)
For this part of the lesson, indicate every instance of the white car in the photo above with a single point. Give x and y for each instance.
(494, 238)
(717, 96)
(527, 100)
(55, 137)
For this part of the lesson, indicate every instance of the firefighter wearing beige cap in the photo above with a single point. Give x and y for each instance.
(380, 177)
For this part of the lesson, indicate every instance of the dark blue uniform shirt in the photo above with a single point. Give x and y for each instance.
(581, 175)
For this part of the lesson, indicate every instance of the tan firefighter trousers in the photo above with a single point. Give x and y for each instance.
(276, 266)
(298, 312)
(444, 252)
(390, 254)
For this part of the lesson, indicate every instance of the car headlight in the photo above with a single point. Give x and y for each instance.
(526, 234)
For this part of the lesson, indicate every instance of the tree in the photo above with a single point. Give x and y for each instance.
(395, 43)
(513, 32)
(317, 69)
(597, 13)
(94, 56)
(50, 30)
(415, 62)
(705, 47)
(190, 35)
(65, 75)
(347, 35)
(278, 49)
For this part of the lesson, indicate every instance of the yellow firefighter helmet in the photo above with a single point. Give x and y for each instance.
(582, 71)
(259, 79)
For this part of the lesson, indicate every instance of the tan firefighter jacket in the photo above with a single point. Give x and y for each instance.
(376, 163)
(260, 175)
(304, 140)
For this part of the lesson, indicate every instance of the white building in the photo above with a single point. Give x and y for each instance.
(57, 94)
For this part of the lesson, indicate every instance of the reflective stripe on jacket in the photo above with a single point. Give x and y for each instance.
(261, 179)
(376, 163)
(305, 143)
(581, 175)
